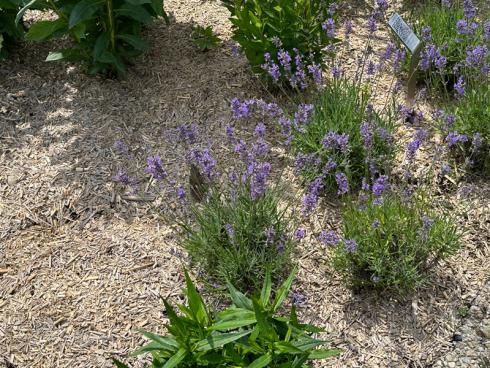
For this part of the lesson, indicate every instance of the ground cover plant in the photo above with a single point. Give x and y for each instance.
(249, 333)
(10, 30)
(204, 38)
(106, 34)
(455, 52)
(391, 242)
(281, 39)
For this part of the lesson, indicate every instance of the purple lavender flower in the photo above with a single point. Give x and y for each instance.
(412, 148)
(154, 166)
(122, 177)
(298, 299)
(284, 59)
(475, 56)
(302, 115)
(332, 9)
(121, 147)
(342, 183)
(188, 133)
(398, 59)
(454, 138)
(376, 224)
(459, 87)
(388, 52)
(462, 27)
(329, 27)
(445, 169)
(427, 223)
(329, 166)
(311, 197)
(240, 109)
(382, 5)
(380, 185)
(350, 245)
(230, 133)
(372, 25)
(469, 9)
(348, 28)
(446, 3)
(230, 231)
(328, 238)
(367, 135)
(427, 34)
(260, 148)
(336, 72)
(486, 29)
(260, 129)
(181, 193)
(270, 234)
(316, 73)
(302, 161)
(300, 233)
(476, 142)
(286, 126)
(371, 68)
(258, 182)
(276, 41)
(440, 62)
(205, 161)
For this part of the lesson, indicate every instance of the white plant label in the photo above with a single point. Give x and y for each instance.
(404, 32)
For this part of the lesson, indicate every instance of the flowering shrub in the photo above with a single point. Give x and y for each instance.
(456, 45)
(9, 29)
(283, 39)
(249, 333)
(106, 33)
(344, 141)
(390, 241)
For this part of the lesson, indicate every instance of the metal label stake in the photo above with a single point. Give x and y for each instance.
(414, 46)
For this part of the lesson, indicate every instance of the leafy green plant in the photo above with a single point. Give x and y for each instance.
(249, 333)
(9, 29)
(391, 243)
(204, 38)
(106, 33)
(235, 236)
(344, 135)
(264, 28)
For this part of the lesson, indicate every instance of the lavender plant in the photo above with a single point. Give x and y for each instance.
(455, 55)
(390, 241)
(345, 140)
(283, 40)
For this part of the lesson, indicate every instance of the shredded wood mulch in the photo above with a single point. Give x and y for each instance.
(84, 265)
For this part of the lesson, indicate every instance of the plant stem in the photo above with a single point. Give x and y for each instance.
(110, 16)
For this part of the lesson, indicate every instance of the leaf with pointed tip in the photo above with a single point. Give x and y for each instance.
(266, 289)
(219, 340)
(261, 361)
(283, 291)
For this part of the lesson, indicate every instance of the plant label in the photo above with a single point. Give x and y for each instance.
(404, 33)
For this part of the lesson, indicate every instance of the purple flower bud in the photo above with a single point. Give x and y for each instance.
(300, 233)
(328, 238)
(277, 41)
(459, 87)
(260, 129)
(427, 34)
(154, 166)
(180, 193)
(342, 183)
(380, 185)
(329, 27)
(350, 245)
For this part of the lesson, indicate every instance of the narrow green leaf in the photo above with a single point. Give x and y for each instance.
(119, 364)
(176, 359)
(218, 340)
(165, 342)
(324, 353)
(196, 303)
(152, 346)
(262, 361)
(228, 325)
(21, 12)
(44, 29)
(283, 291)
(286, 347)
(138, 2)
(266, 289)
(55, 55)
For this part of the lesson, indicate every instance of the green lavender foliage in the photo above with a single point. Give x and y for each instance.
(229, 240)
(106, 33)
(398, 242)
(249, 333)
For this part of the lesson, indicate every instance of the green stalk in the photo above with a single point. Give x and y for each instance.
(110, 16)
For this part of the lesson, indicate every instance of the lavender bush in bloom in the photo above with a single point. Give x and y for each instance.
(393, 244)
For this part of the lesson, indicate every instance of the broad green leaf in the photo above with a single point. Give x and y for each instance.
(136, 12)
(324, 353)
(266, 289)
(165, 342)
(283, 291)
(135, 41)
(42, 30)
(101, 45)
(176, 359)
(119, 364)
(79, 31)
(227, 325)
(6, 4)
(262, 361)
(235, 313)
(138, 2)
(157, 6)
(264, 326)
(218, 340)
(239, 299)
(84, 10)
(286, 347)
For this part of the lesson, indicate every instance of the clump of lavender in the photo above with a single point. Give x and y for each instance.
(393, 244)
